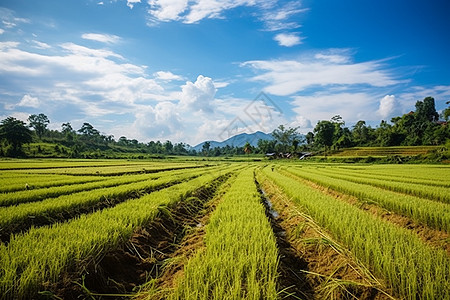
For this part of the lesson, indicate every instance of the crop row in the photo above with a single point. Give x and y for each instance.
(411, 269)
(33, 195)
(41, 254)
(20, 217)
(438, 193)
(36, 181)
(240, 260)
(438, 173)
(428, 212)
(367, 173)
(114, 170)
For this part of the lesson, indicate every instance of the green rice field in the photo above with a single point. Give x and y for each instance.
(117, 229)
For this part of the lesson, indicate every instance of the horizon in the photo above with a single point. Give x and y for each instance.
(196, 71)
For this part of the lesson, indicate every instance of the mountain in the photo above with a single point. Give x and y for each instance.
(237, 140)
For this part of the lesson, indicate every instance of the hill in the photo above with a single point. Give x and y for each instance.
(237, 140)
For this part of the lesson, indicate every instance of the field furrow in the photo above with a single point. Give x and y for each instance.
(21, 217)
(438, 193)
(240, 257)
(35, 195)
(428, 212)
(41, 254)
(410, 268)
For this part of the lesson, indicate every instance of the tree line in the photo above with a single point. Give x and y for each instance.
(420, 127)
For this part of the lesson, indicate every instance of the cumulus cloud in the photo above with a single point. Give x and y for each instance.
(288, 39)
(103, 38)
(198, 95)
(324, 105)
(96, 80)
(287, 77)
(388, 107)
(2, 31)
(29, 101)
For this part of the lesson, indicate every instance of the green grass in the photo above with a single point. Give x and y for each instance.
(41, 254)
(412, 269)
(384, 151)
(241, 258)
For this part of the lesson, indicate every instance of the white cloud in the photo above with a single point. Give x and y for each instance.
(336, 56)
(213, 8)
(167, 10)
(29, 101)
(103, 38)
(277, 18)
(221, 84)
(167, 76)
(287, 77)
(324, 105)
(198, 95)
(2, 31)
(131, 3)
(41, 45)
(9, 19)
(388, 107)
(288, 39)
(193, 11)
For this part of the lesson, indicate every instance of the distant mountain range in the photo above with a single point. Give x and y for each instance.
(237, 140)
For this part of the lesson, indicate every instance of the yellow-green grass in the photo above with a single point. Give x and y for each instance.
(428, 212)
(384, 151)
(18, 216)
(411, 269)
(240, 260)
(41, 254)
(423, 190)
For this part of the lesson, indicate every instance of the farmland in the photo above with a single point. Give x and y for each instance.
(117, 229)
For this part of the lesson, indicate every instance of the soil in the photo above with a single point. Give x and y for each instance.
(312, 265)
(120, 273)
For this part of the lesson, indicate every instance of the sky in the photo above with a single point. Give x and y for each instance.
(195, 70)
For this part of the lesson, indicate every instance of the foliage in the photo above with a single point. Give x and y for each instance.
(15, 133)
(39, 123)
(287, 138)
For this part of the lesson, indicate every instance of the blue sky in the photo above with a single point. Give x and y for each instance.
(194, 70)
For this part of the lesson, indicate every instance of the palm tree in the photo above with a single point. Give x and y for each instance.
(247, 148)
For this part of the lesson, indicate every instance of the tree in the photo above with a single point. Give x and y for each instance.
(68, 131)
(39, 124)
(247, 148)
(168, 147)
(88, 130)
(66, 128)
(266, 146)
(16, 133)
(323, 134)
(360, 133)
(309, 138)
(285, 136)
(205, 148)
(446, 112)
(426, 110)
